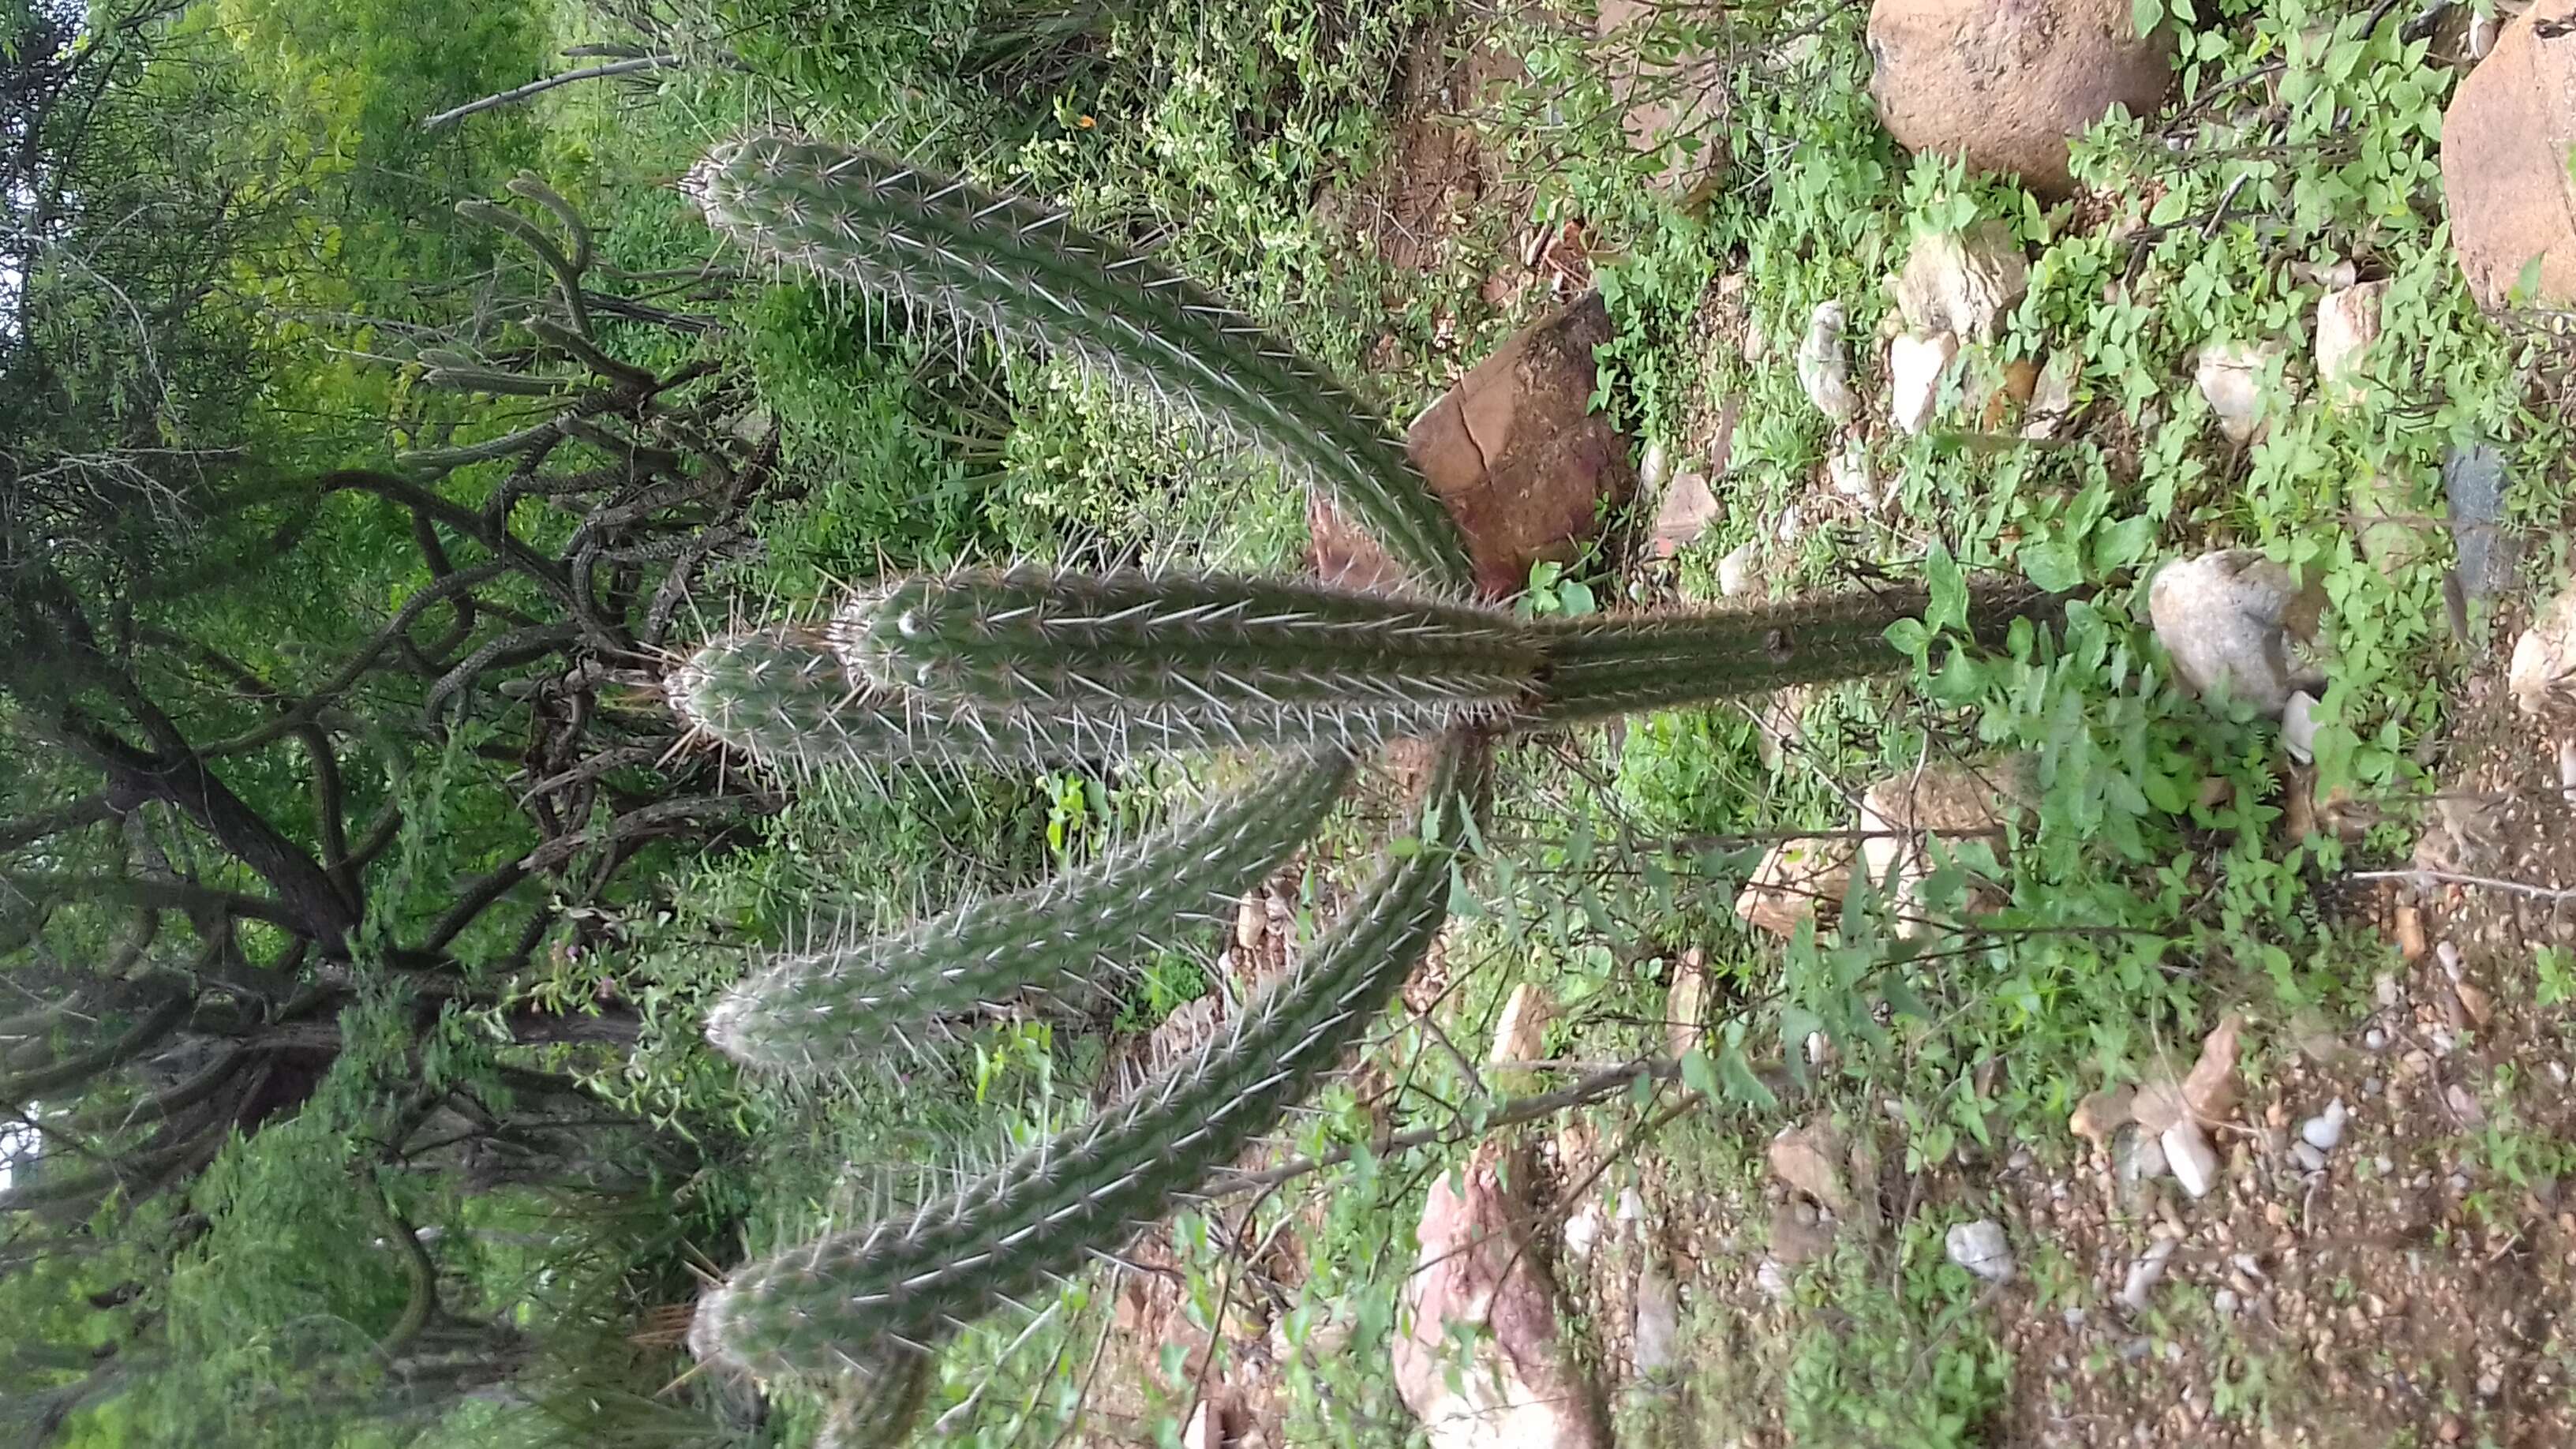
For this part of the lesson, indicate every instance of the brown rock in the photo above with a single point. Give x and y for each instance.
(1477, 1269)
(2006, 85)
(1667, 102)
(1686, 512)
(1795, 882)
(1686, 1002)
(1515, 453)
(2504, 161)
(1810, 1159)
(2102, 1113)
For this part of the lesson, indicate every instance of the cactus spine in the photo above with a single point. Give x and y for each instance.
(874, 1405)
(1022, 270)
(909, 1282)
(1074, 935)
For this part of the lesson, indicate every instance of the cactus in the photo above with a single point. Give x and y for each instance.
(873, 1404)
(1190, 644)
(1022, 270)
(1073, 935)
(907, 1283)
(1600, 666)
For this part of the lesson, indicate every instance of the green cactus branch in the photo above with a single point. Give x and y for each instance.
(1028, 640)
(910, 1282)
(1607, 665)
(1020, 269)
(1071, 938)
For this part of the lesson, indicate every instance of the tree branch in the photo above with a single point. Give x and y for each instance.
(540, 87)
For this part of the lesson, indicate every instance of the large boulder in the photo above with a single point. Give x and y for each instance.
(1515, 452)
(2505, 141)
(2004, 83)
(1521, 1389)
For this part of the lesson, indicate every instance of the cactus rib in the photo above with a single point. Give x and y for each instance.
(1021, 269)
(1071, 936)
(910, 1281)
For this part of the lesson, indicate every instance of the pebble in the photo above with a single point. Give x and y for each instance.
(2558, 1073)
(2383, 1165)
(2490, 1384)
(2375, 1039)
(2386, 989)
(1772, 1278)
(2224, 1302)
(2372, 1086)
(2144, 1272)
(2188, 1154)
(2324, 1131)
(2309, 1157)
(2459, 1182)
(1981, 1248)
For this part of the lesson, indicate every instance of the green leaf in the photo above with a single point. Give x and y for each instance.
(2146, 15)
(1947, 606)
(1699, 1075)
(2052, 565)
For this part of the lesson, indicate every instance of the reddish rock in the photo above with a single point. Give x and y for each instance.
(1515, 452)
(1523, 1390)
(2505, 141)
(2004, 83)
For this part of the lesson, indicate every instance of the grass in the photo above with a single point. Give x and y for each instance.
(2124, 913)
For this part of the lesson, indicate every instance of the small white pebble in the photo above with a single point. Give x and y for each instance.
(2386, 989)
(2190, 1158)
(2224, 1301)
(2308, 1155)
(1772, 1278)
(1981, 1248)
(2449, 956)
(2375, 1039)
(2143, 1274)
(2324, 1131)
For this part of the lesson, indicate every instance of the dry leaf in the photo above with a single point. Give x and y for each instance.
(2209, 1092)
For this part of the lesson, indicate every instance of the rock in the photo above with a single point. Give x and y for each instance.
(1772, 1277)
(2052, 396)
(2005, 86)
(1796, 880)
(1476, 1271)
(2505, 141)
(1735, 571)
(1914, 365)
(1901, 817)
(1520, 1033)
(1981, 1248)
(2544, 658)
(2392, 534)
(2190, 1158)
(1651, 1349)
(2299, 726)
(2137, 1156)
(1666, 101)
(2309, 1156)
(2324, 1131)
(1848, 473)
(2347, 324)
(1251, 917)
(2209, 1089)
(1582, 1231)
(1516, 454)
(1824, 368)
(1686, 1002)
(2144, 1272)
(2222, 617)
(2102, 1113)
(1206, 1430)
(1796, 1239)
(2232, 375)
(2480, 40)
(2473, 485)
(1962, 282)
(1810, 1159)
(1685, 513)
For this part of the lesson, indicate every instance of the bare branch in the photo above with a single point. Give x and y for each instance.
(539, 87)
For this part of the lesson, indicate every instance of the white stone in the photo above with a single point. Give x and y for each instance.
(1823, 368)
(1962, 282)
(1651, 1349)
(2193, 1162)
(2309, 1156)
(2231, 376)
(1772, 1279)
(2347, 324)
(1848, 473)
(2324, 1131)
(2222, 617)
(1202, 1432)
(2299, 726)
(1981, 1248)
(1914, 366)
(1583, 1231)
(2544, 658)
(1735, 571)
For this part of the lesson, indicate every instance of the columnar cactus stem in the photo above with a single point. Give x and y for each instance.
(1600, 666)
(1073, 936)
(1201, 645)
(910, 1282)
(874, 1405)
(1021, 269)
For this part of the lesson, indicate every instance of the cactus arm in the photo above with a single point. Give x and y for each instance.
(1601, 666)
(1194, 644)
(875, 1404)
(1018, 268)
(1067, 938)
(910, 1281)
